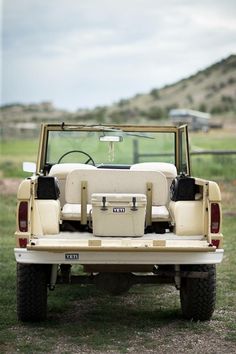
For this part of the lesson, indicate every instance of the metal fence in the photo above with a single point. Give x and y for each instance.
(137, 156)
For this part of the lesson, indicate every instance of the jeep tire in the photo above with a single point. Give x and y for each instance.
(198, 295)
(32, 292)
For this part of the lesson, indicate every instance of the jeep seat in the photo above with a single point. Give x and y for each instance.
(168, 169)
(61, 171)
(81, 184)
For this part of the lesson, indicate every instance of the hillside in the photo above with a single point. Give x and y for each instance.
(31, 113)
(211, 90)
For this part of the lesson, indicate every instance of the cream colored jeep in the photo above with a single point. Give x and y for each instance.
(120, 202)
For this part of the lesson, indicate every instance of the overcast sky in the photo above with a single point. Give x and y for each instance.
(85, 53)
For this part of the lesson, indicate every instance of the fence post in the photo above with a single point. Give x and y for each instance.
(135, 151)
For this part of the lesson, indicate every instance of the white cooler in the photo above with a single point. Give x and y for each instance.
(118, 214)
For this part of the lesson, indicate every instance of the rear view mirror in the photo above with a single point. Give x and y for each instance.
(111, 138)
(29, 167)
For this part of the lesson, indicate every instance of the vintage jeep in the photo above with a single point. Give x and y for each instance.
(120, 202)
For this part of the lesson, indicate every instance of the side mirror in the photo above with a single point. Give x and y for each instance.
(29, 167)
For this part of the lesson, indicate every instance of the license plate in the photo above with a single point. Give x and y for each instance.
(71, 256)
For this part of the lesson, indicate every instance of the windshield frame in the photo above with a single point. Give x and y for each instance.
(46, 128)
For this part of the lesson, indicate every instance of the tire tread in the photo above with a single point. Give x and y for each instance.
(31, 292)
(198, 295)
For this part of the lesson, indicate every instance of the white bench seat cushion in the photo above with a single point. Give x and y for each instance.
(168, 169)
(61, 170)
(73, 211)
(160, 212)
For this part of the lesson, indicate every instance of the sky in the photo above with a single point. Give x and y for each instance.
(87, 53)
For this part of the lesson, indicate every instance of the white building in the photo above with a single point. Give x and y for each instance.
(196, 120)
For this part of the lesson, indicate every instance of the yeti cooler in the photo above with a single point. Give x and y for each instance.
(118, 214)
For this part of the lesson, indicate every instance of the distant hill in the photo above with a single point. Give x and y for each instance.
(33, 112)
(211, 90)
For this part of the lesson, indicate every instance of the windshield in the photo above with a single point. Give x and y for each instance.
(110, 147)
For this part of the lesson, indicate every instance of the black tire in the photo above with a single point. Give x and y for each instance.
(198, 295)
(32, 280)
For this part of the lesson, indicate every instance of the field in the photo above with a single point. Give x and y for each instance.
(147, 319)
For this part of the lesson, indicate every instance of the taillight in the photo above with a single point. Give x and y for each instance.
(215, 218)
(23, 216)
(215, 243)
(23, 242)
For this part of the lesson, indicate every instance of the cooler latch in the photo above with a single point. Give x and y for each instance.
(104, 203)
(134, 208)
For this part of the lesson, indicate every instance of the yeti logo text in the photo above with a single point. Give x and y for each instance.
(71, 256)
(118, 210)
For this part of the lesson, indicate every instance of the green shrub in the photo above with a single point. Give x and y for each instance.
(155, 94)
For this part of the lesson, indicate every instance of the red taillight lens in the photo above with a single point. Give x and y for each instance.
(215, 218)
(215, 243)
(23, 242)
(23, 216)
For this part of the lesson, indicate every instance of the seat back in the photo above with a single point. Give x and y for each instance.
(116, 181)
(62, 170)
(168, 169)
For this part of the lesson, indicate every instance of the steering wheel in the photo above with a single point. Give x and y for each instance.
(80, 152)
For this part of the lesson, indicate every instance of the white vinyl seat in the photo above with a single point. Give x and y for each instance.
(114, 181)
(73, 211)
(62, 170)
(168, 169)
(159, 213)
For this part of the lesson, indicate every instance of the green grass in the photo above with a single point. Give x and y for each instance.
(216, 167)
(213, 140)
(13, 153)
(19, 148)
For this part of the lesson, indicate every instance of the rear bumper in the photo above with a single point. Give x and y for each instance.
(83, 256)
